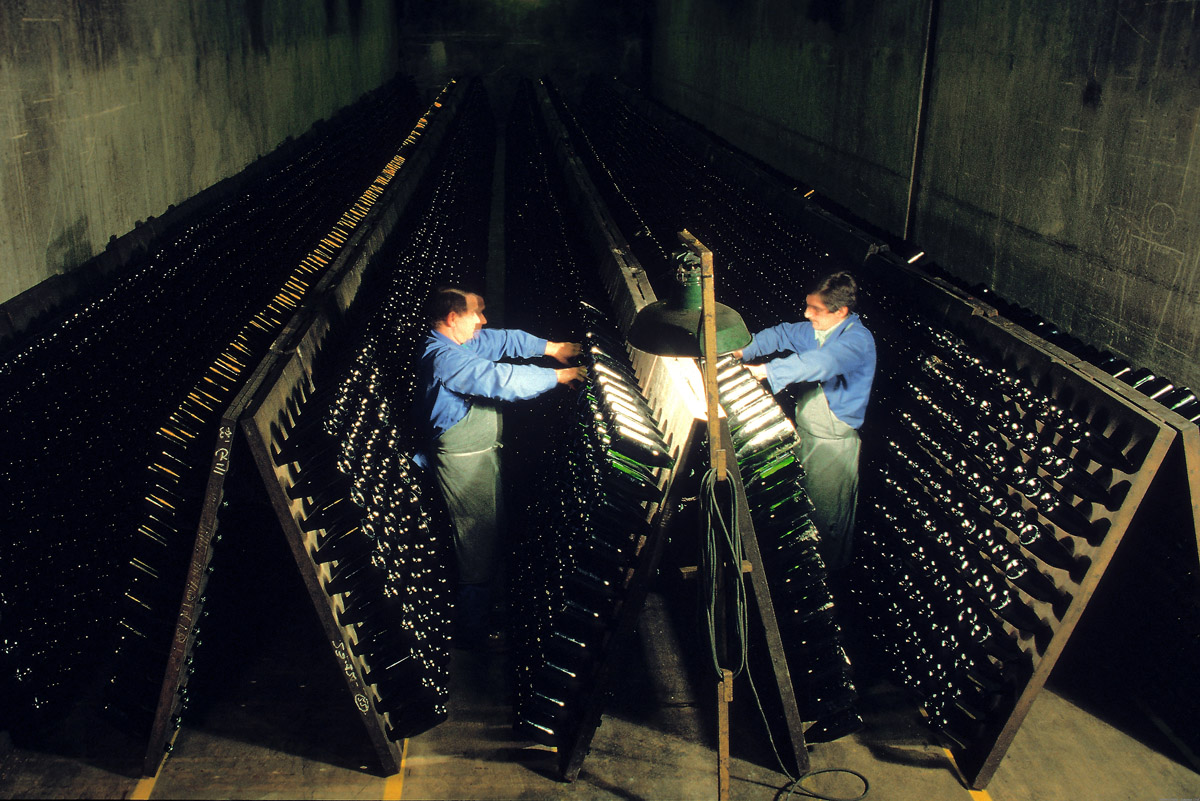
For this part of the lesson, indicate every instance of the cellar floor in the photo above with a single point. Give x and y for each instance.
(271, 720)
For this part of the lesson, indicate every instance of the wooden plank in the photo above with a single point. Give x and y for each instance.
(1147, 442)
(1190, 442)
(724, 698)
(648, 559)
(163, 728)
(266, 419)
(302, 334)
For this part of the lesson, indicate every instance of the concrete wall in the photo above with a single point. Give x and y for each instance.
(115, 109)
(112, 110)
(503, 40)
(822, 91)
(1057, 152)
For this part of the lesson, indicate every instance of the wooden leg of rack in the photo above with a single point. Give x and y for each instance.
(724, 696)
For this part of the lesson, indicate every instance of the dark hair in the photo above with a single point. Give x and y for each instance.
(445, 299)
(837, 290)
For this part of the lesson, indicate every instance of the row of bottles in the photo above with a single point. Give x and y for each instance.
(179, 468)
(612, 471)
(983, 502)
(765, 443)
(375, 526)
(591, 460)
(94, 484)
(1169, 393)
(372, 543)
(655, 187)
(993, 481)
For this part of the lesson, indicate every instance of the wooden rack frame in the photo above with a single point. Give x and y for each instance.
(1164, 445)
(299, 338)
(1149, 441)
(675, 391)
(266, 418)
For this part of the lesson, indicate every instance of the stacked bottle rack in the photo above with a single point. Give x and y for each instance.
(593, 459)
(615, 460)
(128, 388)
(328, 428)
(1008, 481)
(353, 516)
(322, 283)
(674, 393)
(701, 177)
(764, 441)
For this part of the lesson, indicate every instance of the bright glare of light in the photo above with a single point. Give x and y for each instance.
(914, 258)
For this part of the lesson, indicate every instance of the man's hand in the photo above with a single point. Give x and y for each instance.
(562, 351)
(571, 375)
(737, 353)
(759, 371)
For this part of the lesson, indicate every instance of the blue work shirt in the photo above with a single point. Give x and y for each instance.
(844, 365)
(452, 374)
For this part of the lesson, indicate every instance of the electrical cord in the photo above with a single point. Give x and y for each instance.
(722, 550)
(723, 539)
(796, 786)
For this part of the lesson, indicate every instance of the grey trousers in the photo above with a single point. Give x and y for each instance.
(829, 451)
(466, 462)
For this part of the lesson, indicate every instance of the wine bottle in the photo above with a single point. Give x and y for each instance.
(633, 446)
(415, 720)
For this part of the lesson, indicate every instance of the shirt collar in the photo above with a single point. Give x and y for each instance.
(822, 336)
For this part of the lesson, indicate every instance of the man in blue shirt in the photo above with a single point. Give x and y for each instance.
(461, 383)
(832, 355)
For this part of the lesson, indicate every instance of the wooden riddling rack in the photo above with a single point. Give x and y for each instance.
(674, 390)
(298, 339)
(862, 248)
(1164, 447)
(1146, 444)
(675, 412)
(267, 418)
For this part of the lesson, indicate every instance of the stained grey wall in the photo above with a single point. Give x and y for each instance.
(112, 110)
(503, 40)
(1059, 149)
(824, 91)
(115, 109)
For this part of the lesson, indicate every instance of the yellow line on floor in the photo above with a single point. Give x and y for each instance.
(976, 795)
(393, 788)
(144, 788)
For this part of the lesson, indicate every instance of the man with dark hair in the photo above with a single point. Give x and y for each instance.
(833, 356)
(462, 380)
